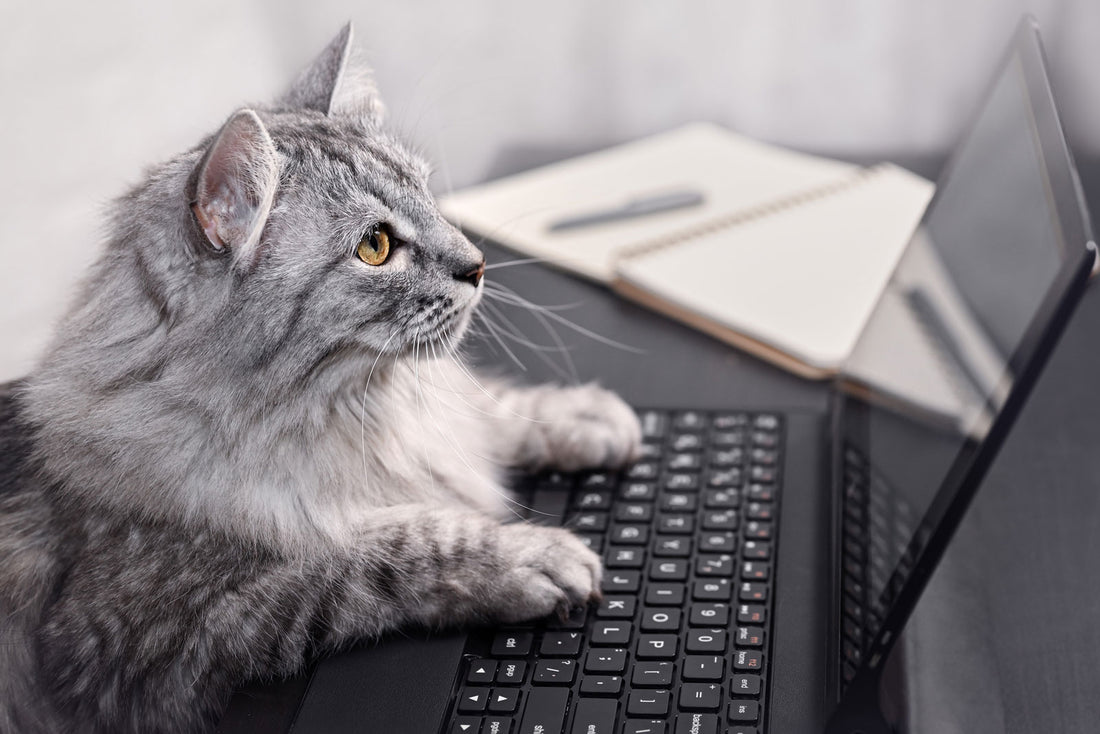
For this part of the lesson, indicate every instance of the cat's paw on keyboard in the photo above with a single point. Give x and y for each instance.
(586, 427)
(548, 571)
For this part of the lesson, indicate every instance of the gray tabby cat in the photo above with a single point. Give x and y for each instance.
(250, 441)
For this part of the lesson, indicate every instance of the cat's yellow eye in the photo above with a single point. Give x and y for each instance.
(374, 248)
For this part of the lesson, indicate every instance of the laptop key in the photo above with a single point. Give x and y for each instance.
(745, 685)
(748, 660)
(481, 671)
(706, 640)
(594, 716)
(466, 725)
(504, 700)
(510, 672)
(756, 550)
(620, 581)
(701, 696)
(601, 685)
(657, 647)
(743, 711)
(711, 590)
(616, 607)
(648, 703)
(496, 725)
(611, 660)
(695, 723)
(473, 700)
(611, 633)
(720, 542)
(709, 615)
(512, 644)
(545, 711)
(634, 726)
(676, 546)
(566, 643)
(704, 667)
(659, 619)
(664, 595)
(651, 674)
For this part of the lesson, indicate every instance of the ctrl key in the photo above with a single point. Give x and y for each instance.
(545, 711)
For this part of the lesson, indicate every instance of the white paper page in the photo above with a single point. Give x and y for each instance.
(803, 280)
(732, 172)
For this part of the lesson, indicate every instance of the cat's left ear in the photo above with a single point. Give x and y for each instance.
(234, 185)
(333, 86)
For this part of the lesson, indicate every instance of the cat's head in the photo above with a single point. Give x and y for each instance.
(309, 234)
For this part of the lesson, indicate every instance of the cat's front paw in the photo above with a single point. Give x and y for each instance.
(547, 571)
(584, 427)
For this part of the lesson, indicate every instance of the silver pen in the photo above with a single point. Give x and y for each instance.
(637, 207)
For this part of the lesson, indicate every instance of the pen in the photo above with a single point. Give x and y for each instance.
(637, 207)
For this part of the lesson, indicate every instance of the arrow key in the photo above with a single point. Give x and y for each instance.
(481, 671)
(473, 700)
(466, 725)
(504, 700)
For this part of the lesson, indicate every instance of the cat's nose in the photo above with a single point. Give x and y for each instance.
(472, 275)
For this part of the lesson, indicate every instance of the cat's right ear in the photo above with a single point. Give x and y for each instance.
(233, 186)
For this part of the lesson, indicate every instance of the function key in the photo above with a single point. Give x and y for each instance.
(512, 644)
(758, 511)
(725, 421)
(762, 473)
(758, 530)
(748, 660)
(763, 456)
(750, 636)
(753, 592)
(751, 613)
(755, 571)
(654, 424)
(761, 492)
(764, 439)
(766, 422)
(689, 420)
(757, 550)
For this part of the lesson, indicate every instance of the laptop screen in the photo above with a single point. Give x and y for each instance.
(951, 336)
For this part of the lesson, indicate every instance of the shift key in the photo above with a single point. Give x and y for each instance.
(545, 712)
(594, 716)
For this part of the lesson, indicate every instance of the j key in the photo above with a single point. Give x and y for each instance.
(750, 636)
(759, 511)
(753, 592)
(631, 512)
(504, 700)
(685, 442)
(724, 478)
(648, 703)
(689, 420)
(748, 660)
(593, 499)
(630, 534)
(601, 685)
(675, 524)
(565, 643)
(756, 550)
(720, 542)
(643, 471)
(656, 647)
(721, 499)
(625, 582)
(481, 671)
(755, 571)
(660, 619)
(761, 492)
(678, 503)
(696, 723)
(704, 667)
(758, 530)
(664, 594)
(654, 424)
(674, 546)
(545, 711)
(638, 491)
(624, 557)
(725, 458)
(668, 569)
(616, 607)
(745, 684)
(473, 700)
(681, 482)
(683, 462)
(720, 520)
(709, 615)
(611, 633)
(700, 696)
(711, 590)
(594, 716)
(743, 712)
(510, 672)
(512, 644)
(651, 674)
(725, 421)
(554, 672)
(714, 565)
(611, 660)
(751, 613)
(706, 640)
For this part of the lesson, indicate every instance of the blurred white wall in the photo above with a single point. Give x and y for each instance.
(91, 93)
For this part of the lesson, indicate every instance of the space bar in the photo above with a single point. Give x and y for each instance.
(545, 713)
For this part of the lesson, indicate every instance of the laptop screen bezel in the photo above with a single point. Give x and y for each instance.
(968, 469)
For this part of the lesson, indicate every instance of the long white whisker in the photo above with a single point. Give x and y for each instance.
(451, 349)
(513, 263)
(493, 331)
(538, 348)
(363, 408)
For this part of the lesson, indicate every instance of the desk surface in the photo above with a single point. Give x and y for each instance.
(1036, 520)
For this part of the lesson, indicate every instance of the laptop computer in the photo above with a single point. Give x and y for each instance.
(761, 566)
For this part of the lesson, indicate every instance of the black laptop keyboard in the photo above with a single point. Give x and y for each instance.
(679, 642)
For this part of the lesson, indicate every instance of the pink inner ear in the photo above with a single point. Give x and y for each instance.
(209, 226)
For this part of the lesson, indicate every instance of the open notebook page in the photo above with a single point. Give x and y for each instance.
(731, 171)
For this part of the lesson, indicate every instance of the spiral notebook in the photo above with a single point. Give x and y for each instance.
(784, 257)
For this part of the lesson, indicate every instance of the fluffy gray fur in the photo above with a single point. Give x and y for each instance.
(246, 447)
